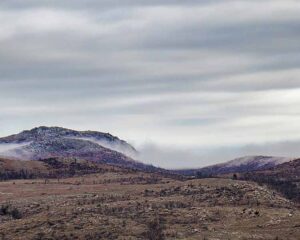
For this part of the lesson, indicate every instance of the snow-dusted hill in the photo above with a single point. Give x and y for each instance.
(255, 161)
(47, 133)
(45, 142)
(239, 165)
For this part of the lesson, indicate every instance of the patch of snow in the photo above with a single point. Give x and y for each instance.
(258, 160)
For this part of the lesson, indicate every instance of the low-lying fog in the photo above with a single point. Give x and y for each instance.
(176, 157)
(172, 157)
(7, 147)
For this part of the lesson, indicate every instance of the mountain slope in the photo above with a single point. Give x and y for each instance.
(52, 168)
(47, 142)
(44, 133)
(284, 178)
(239, 165)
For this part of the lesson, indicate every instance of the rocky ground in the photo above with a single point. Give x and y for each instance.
(137, 205)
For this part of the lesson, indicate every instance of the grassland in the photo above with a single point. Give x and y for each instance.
(137, 205)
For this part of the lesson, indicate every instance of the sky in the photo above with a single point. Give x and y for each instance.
(190, 82)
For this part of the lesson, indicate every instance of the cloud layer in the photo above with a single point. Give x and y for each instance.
(187, 74)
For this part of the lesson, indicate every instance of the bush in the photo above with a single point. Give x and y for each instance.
(16, 214)
(9, 210)
(4, 209)
(155, 229)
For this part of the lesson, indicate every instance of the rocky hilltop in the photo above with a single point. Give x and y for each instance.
(48, 142)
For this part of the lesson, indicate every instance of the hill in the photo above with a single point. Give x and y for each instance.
(43, 133)
(137, 205)
(52, 142)
(284, 178)
(239, 165)
(52, 168)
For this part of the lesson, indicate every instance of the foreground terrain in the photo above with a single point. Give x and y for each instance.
(284, 178)
(135, 205)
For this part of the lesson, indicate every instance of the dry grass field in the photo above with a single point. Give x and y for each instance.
(123, 205)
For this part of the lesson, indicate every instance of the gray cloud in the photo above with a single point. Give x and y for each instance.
(98, 5)
(187, 74)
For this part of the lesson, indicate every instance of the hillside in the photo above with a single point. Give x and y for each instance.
(52, 168)
(49, 142)
(239, 165)
(284, 178)
(43, 133)
(137, 205)
(60, 168)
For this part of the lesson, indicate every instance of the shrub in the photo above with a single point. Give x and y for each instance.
(155, 229)
(4, 209)
(9, 210)
(16, 214)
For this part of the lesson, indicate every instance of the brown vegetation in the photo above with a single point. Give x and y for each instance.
(284, 178)
(136, 205)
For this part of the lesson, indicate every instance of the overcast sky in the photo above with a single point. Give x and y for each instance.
(217, 77)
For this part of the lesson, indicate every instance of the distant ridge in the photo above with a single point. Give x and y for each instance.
(239, 165)
(52, 168)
